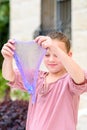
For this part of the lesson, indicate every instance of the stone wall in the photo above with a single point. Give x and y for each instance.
(79, 45)
(24, 18)
(79, 31)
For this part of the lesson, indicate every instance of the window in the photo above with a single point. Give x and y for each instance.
(63, 14)
(55, 14)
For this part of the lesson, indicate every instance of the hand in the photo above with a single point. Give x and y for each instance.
(8, 49)
(44, 41)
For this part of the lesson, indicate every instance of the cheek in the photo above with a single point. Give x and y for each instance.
(45, 60)
(59, 64)
(57, 61)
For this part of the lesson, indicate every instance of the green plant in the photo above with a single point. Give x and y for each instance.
(18, 94)
(3, 86)
(6, 92)
(4, 24)
(4, 21)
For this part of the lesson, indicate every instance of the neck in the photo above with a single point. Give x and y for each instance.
(58, 74)
(52, 77)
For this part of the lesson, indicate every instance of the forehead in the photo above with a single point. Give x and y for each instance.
(60, 44)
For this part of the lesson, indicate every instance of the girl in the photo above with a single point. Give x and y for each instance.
(57, 91)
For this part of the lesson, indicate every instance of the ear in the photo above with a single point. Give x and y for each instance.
(70, 53)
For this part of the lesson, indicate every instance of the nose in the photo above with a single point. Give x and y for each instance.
(51, 58)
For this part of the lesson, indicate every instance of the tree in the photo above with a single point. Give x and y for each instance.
(4, 23)
(4, 33)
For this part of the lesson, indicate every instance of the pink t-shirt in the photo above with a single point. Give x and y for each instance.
(56, 108)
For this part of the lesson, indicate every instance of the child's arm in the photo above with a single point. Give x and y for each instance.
(70, 65)
(7, 67)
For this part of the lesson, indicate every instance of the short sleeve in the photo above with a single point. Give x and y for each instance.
(17, 83)
(78, 88)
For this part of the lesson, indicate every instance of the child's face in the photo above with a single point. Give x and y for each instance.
(52, 61)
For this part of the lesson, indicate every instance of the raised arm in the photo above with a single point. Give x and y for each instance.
(7, 67)
(70, 65)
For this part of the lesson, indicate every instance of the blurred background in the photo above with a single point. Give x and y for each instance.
(26, 19)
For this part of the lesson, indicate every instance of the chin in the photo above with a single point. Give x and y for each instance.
(54, 71)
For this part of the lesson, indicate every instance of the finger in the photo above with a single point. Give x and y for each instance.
(11, 41)
(10, 46)
(37, 38)
(44, 45)
(40, 39)
(7, 51)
